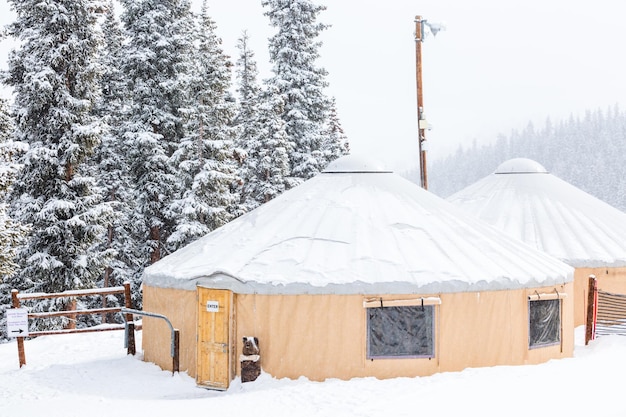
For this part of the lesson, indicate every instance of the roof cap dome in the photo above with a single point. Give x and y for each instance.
(355, 164)
(520, 166)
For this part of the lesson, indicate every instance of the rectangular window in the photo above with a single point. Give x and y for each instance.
(406, 331)
(544, 322)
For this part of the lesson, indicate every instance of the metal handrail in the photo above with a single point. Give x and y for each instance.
(174, 333)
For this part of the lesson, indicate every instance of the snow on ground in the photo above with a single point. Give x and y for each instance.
(91, 375)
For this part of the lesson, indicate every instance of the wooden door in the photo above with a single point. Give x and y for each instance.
(214, 338)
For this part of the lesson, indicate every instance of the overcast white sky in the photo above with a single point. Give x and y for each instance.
(497, 66)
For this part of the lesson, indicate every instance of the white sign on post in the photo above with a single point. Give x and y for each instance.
(17, 322)
(213, 306)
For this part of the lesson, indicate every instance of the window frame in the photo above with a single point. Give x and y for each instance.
(558, 326)
(397, 305)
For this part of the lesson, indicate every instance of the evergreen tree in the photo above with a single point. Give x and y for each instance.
(293, 52)
(247, 83)
(586, 152)
(157, 66)
(335, 142)
(111, 164)
(268, 176)
(55, 79)
(249, 93)
(11, 232)
(262, 140)
(205, 158)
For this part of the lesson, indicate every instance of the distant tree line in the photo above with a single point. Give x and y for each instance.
(588, 152)
(128, 139)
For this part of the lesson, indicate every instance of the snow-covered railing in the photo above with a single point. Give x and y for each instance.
(129, 325)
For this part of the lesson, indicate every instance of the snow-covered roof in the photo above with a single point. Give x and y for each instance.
(355, 165)
(357, 228)
(525, 201)
(520, 166)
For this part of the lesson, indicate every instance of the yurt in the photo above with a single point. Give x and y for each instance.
(356, 272)
(525, 201)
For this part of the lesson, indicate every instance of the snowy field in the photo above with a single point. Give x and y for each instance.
(90, 375)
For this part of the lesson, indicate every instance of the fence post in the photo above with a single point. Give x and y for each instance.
(129, 320)
(72, 317)
(175, 360)
(20, 340)
(590, 327)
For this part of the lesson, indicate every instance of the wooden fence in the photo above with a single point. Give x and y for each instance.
(129, 326)
(606, 312)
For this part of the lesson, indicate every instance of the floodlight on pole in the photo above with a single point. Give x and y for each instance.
(422, 125)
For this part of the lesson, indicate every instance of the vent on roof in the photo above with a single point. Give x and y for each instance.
(354, 164)
(520, 166)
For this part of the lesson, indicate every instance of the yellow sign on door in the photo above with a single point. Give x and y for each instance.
(214, 338)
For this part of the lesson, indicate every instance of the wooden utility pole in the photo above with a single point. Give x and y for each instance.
(421, 123)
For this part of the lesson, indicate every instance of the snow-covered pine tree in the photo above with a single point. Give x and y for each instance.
(157, 66)
(11, 232)
(293, 52)
(111, 164)
(205, 159)
(335, 142)
(586, 152)
(55, 76)
(262, 138)
(272, 169)
(249, 92)
(247, 83)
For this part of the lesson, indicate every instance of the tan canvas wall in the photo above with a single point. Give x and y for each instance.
(180, 308)
(609, 279)
(324, 336)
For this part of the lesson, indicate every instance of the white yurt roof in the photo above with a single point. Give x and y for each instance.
(525, 201)
(357, 228)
